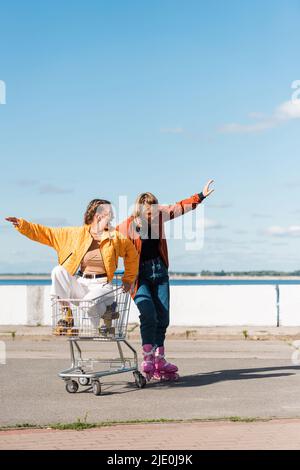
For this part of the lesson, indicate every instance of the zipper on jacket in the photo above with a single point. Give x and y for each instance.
(116, 260)
(66, 258)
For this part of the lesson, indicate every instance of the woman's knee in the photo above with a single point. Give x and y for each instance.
(57, 271)
(148, 321)
(145, 307)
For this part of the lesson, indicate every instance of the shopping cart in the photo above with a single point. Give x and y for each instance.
(80, 321)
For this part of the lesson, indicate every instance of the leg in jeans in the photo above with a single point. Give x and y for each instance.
(161, 299)
(161, 296)
(148, 318)
(163, 370)
(148, 322)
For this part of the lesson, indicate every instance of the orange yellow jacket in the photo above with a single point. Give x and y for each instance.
(72, 243)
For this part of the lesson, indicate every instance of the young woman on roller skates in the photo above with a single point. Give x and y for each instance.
(146, 230)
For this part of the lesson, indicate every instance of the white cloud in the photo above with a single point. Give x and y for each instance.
(26, 182)
(285, 112)
(288, 110)
(278, 231)
(212, 224)
(235, 128)
(258, 215)
(52, 189)
(44, 188)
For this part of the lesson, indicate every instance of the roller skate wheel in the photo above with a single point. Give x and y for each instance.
(174, 376)
(171, 377)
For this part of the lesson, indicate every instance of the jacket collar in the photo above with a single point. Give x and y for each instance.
(110, 232)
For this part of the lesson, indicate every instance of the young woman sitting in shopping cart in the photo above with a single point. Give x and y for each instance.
(88, 257)
(146, 230)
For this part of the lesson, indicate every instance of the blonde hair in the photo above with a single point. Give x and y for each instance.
(141, 200)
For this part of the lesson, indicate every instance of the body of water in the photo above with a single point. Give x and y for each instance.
(173, 282)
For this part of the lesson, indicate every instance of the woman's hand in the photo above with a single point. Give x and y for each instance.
(206, 190)
(126, 286)
(13, 220)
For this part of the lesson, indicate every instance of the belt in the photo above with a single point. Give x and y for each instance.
(90, 276)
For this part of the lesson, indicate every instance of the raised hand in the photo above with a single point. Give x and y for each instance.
(206, 190)
(13, 220)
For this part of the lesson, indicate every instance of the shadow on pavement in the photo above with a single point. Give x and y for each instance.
(208, 378)
(200, 379)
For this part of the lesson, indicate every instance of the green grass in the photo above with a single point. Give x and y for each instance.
(23, 426)
(239, 419)
(80, 424)
(189, 333)
(246, 334)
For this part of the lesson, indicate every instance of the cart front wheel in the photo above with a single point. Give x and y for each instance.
(140, 380)
(96, 387)
(71, 386)
(84, 380)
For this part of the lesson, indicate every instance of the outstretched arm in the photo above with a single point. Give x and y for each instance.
(47, 235)
(186, 205)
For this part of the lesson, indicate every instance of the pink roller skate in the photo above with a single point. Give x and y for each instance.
(148, 366)
(164, 371)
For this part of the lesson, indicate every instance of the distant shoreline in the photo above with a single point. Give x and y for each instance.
(172, 276)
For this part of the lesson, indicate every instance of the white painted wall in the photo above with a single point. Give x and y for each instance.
(190, 305)
(290, 305)
(223, 305)
(13, 310)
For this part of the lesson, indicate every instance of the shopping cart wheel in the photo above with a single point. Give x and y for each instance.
(140, 380)
(84, 380)
(96, 387)
(71, 386)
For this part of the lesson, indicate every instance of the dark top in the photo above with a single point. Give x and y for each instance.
(150, 244)
(150, 241)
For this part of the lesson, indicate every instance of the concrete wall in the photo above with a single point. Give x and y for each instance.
(190, 305)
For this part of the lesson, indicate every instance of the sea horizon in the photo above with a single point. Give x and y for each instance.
(178, 279)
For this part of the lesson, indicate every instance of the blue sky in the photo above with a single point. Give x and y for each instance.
(109, 98)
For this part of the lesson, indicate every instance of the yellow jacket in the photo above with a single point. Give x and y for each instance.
(72, 243)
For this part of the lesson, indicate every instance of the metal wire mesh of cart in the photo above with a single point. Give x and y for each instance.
(105, 316)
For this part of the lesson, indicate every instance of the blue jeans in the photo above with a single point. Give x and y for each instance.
(153, 299)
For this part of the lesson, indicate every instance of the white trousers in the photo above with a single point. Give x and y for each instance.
(66, 286)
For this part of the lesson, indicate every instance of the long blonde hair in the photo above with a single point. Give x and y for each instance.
(141, 200)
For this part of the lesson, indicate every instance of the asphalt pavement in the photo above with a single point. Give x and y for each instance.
(218, 379)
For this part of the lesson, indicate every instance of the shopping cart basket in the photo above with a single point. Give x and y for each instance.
(85, 321)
